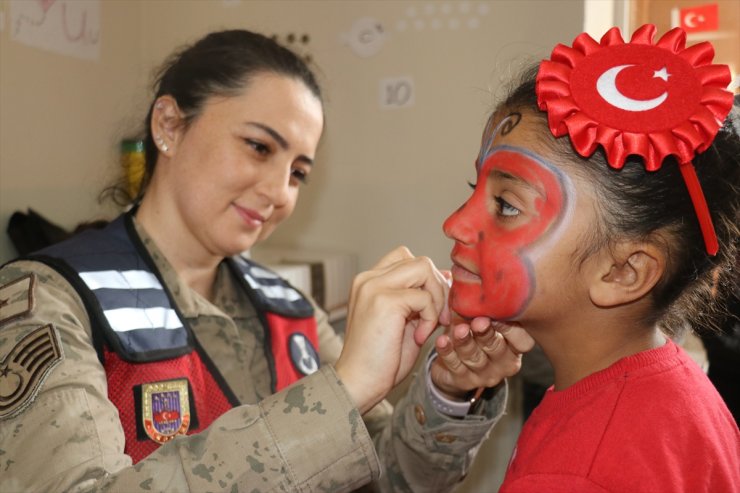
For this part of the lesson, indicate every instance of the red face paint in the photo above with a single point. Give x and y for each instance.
(493, 274)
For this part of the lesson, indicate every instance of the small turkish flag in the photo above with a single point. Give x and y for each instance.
(701, 18)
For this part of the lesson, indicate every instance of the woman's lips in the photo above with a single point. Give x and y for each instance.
(250, 217)
(461, 274)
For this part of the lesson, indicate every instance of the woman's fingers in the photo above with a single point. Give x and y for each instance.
(394, 308)
(400, 270)
(396, 255)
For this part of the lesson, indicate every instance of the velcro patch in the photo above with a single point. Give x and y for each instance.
(26, 367)
(16, 299)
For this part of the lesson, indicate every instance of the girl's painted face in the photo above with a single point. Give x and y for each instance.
(518, 202)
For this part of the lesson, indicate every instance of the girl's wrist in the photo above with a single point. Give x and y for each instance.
(444, 402)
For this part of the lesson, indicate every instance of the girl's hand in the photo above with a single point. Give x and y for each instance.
(393, 309)
(480, 353)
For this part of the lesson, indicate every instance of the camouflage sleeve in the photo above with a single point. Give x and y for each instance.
(59, 431)
(424, 450)
(330, 347)
(420, 449)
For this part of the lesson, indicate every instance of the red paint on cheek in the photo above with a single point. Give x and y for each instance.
(497, 248)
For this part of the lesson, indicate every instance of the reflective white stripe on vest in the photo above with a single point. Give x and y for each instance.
(125, 319)
(262, 273)
(275, 292)
(113, 279)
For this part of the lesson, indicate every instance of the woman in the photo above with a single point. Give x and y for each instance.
(152, 342)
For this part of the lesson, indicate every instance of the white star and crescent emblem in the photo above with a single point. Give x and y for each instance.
(606, 86)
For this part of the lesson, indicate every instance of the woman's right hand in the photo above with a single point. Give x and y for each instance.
(394, 307)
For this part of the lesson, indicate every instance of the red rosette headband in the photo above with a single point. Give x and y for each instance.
(639, 98)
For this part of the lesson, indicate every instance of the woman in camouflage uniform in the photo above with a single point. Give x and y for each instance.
(151, 356)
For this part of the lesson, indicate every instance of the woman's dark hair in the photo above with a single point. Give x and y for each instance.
(219, 64)
(655, 206)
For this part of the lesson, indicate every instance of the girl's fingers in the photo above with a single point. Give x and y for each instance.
(487, 338)
(446, 352)
(467, 348)
(516, 338)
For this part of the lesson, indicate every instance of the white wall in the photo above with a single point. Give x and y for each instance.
(384, 177)
(61, 118)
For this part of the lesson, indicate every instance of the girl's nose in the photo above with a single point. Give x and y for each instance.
(461, 225)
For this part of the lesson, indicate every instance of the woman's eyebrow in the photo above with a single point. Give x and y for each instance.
(273, 133)
(280, 140)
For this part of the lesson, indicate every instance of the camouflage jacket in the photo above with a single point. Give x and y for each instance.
(60, 432)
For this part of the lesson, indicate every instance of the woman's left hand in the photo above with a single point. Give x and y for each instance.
(478, 353)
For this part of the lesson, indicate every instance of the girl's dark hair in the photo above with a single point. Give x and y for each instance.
(219, 64)
(655, 206)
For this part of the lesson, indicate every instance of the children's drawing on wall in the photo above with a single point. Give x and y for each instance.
(396, 92)
(297, 42)
(440, 16)
(69, 27)
(2, 17)
(365, 37)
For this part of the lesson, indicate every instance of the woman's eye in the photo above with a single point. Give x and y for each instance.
(506, 209)
(259, 147)
(300, 175)
(472, 185)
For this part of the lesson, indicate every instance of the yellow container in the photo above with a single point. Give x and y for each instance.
(133, 163)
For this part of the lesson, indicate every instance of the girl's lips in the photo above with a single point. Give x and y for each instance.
(460, 274)
(250, 217)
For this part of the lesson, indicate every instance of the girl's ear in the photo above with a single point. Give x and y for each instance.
(626, 273)
(166, 124)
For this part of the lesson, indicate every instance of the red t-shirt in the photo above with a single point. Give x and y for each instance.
(651, 422)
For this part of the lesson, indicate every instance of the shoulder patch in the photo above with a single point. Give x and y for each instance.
(25, 368)
(16, 298)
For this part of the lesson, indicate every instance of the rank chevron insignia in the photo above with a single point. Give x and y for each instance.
(25, 368)
(16, 299)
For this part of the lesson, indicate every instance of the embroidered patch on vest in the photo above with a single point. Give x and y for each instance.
(165, 409)
(303, 354)
(16, 299)
(25, 368)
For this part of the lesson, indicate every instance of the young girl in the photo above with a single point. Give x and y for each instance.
(605, 255)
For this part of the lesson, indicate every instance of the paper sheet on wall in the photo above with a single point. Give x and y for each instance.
(69, 27)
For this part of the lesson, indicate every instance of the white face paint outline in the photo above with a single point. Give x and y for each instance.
(606, 86)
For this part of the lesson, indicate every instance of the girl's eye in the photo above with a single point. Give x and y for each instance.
(259, 147)
(472, 185)
(300, 175)
(506, 209)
